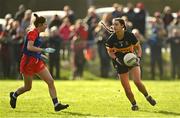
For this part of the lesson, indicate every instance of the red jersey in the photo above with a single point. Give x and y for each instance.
(31, 62)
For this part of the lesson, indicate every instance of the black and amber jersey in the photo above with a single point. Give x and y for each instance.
(120, 48)
(123, 46)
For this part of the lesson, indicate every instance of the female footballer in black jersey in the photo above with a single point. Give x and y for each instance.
(118, 44)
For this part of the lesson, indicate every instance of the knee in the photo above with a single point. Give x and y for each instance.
(50, 82)
(28, 88)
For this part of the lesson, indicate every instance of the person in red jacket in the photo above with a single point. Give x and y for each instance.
(78, 45)
(32, 63)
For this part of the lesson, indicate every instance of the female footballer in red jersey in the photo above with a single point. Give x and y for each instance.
(32, 63)
(118, 44)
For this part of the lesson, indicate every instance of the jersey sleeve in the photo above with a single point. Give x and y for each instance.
(134, 40)
(32, 35)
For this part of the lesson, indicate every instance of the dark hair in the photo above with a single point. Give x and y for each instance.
(39, 20)
(121, 21)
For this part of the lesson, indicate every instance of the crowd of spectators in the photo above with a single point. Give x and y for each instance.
(79, 40)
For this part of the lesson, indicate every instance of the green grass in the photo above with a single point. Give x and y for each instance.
(90, 98)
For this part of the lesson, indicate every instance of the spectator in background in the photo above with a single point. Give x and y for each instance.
(20, 13)
(78, 44)
(5, 50)
(55, 21)
(140, 18)
(101, 35)
(92, 20)
(17, 36)
(118, 10)
(64, 33)
(129, 12)
(69, 13)
(167, 16)
(175, 24)
(54, 58)
(26, 20)
(156, 43)
(5, 53)
(158, 22)
(129, 25)
(174, 42)
(7, 18)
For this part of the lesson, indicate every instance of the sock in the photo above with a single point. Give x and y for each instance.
(133, 103)
(55, 101)
(15, 95)
(145, 94)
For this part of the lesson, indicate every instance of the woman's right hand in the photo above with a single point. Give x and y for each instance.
(44, 58)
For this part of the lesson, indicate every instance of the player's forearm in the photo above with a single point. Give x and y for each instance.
(34, 49)
(111, 52)
(139, 51)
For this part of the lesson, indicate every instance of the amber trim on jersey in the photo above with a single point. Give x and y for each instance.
(123, 50)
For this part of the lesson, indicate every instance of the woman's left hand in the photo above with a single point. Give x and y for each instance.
(44, 58)
(138, 60)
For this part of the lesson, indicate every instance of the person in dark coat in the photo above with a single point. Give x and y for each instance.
(54, 58)
(174, 42)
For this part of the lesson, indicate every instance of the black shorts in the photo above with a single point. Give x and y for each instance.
(121, 68)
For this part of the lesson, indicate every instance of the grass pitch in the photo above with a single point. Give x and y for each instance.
(97, 98)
